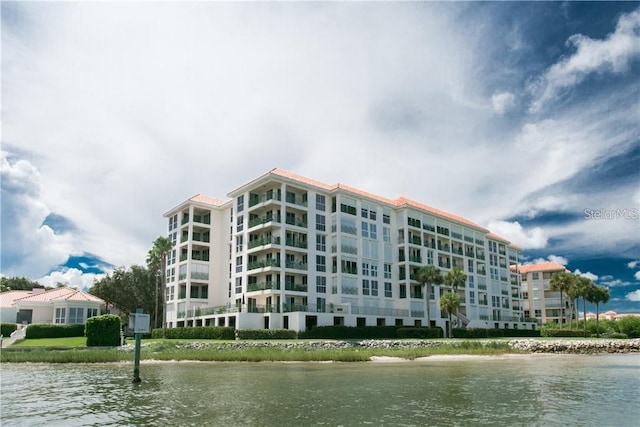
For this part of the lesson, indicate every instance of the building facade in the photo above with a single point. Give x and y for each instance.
(285, 251)
(538, 300)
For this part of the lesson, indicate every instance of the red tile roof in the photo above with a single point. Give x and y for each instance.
(7, 298)
(60, 294)
(207, 200)
(542, 266)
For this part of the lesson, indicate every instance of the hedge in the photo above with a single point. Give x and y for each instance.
(266, 334)
(420, 333)
(6, 329)
(349, 332)
(44, 330)
(103, 331)
(197, 332)
(561, 333)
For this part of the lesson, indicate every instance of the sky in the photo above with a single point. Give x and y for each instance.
(520, 116)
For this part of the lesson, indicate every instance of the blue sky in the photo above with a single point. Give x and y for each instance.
(520, 116)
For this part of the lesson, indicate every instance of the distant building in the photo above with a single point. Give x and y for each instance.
(610, 315)
(538, 300)
(285, 251)
(57, 306)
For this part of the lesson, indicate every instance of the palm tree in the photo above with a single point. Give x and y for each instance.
(428, 276)
(449, 302)
(561, 281)
(455, 278)
(155, 267)
(572, 293)
(599, 294)
(161, 248)
(583, 287)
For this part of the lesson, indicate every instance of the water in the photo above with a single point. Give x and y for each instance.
(543, 390)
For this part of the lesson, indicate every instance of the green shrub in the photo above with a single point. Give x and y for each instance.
(103, 331)
(561, 333)
(197, 332)
(614, 335)
(630, 326)
(349, 332)
(417, 332)
(521, 333)
(44, 330)
(6, 329)
(266, 334)
(477, 333)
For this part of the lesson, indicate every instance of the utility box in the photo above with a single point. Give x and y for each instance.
(139, 323)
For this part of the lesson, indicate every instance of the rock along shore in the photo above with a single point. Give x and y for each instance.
(525, 345)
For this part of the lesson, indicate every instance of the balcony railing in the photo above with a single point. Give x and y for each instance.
(263, 286)
(298, 265)
(297, 221)
(296, 243)
(296, 287)
(263, 241)
(263, 264)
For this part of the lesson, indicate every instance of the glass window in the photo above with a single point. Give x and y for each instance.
(320, 222)
(61, 315)
(387, 290)
(240, 203)
(320, 202)
(321, 263)
(76, 315)
(321, 284)
(321, 243)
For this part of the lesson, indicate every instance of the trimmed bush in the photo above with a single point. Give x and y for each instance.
(103, 331)
(521, 333)
(561, 333)
(266, 334)
(420, 333)
(348, 332)
(477, 333)
(630, 326)
(197, 332)
(44, 330)
(6, 329)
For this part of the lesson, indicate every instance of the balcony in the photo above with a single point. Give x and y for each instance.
(415, 259)
(263, 286)
(263, 220)
(297, 265)
(262, 241)
(296, 243)
(296, 221)
(269, 196)
(263, 264)
(296, 287)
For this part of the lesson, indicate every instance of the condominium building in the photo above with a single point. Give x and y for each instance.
(285, 251)
(538, 300)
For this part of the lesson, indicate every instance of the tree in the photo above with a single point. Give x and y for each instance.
(161, 248)
(573, 293)
(599, 294)
(450, 301)
(428, 276)
(583, 287)
(455, 278)
(154, 264)
(17, 284)
(561, 281)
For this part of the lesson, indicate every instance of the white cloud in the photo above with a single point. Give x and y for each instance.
(72, 277)
(632, 264)
(515, 233)
(502, 102)
(612, 54)
(633, 296)
(589, 275)
(551, 258)
(616, 283)
(637, 275)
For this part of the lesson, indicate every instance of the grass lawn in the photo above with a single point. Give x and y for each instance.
(52, 342)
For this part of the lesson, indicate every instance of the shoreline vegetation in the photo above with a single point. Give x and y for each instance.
(312, 350)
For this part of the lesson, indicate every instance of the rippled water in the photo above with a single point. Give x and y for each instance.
(547, 390)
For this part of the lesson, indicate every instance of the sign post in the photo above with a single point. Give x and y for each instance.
(139, 322)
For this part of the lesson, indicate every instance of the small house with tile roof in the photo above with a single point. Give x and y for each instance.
(57, 306)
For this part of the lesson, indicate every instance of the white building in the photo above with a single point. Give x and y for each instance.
(538, 300)
(285, 251)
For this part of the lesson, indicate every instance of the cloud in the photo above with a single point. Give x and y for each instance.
(589, 275)
(71, 277)
(502, 102)
(515, 233)
(609, 55)
(551, 258)
(27, 243)
(633, 296)
(632, 264)
(637, 275)
(616, 283)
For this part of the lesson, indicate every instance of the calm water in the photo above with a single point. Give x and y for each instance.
(548, 390)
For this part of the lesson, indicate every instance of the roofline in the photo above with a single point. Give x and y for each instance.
(193, 201)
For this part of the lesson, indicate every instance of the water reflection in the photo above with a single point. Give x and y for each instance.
(537, 390)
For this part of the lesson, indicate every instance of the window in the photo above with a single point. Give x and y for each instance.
(320, 202)
(321, 263)
(320, 223)
(403, 291)
(365, 287)
(386, 234)
(92, 312)
(61, 315)
(386, 219)
(364, 213)
(350, 267)
(471, 280)
(472, 297)
(373, 231)
(374, 288)
(536, 276)
(365, 268)
(193, 292)
(240, 207)
(470, 265)
(321, 304)
(365, 229)
(76, 315)
(538, 313)
(238, 264)
(387, 290)
(239, 241)
(321, 284)
(374, 269)
(238, 285)
(372, 214)
(171, 293)
(387, 271)
(321, 243)
(240, 223)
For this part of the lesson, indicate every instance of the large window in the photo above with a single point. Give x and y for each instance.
(321, 243)
(321, 284)
(92, 312)
(321, 263)
(387, 290)
(240, 207)
(76, 315)
(320, 202)
(61, 315)
(320, 222)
